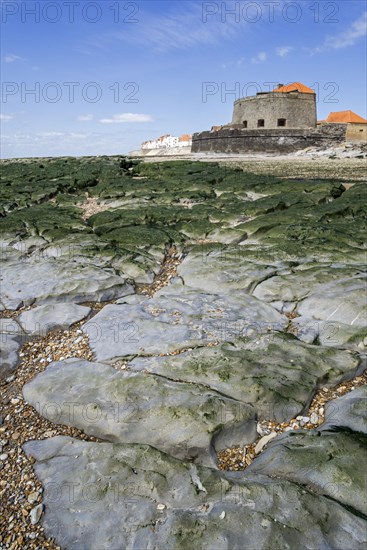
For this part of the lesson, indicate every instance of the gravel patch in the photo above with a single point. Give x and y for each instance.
(20, 490)
(239, 458)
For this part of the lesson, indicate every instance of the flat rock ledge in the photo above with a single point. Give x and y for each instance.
(108, 496)
(41, 320)
(124, 407)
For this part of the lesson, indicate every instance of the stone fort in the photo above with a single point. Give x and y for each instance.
(283, 120)
(285, 107)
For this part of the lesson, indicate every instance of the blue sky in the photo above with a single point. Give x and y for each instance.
(108, 75)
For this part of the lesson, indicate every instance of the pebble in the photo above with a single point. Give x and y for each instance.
(50, 433)
(262, 430)
(161, 506)
(223, 515)
(33, 497)
(314, 419)
(36, 514)
(304, 420)
(21, 518)
(263, 441)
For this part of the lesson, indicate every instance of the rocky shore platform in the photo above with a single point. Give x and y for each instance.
(183, 354)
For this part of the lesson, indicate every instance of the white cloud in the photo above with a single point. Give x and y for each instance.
(179, 28)
(6, 118)
(85, 118)
(238, 63)
(283, 51)
(10, 58)
(126, 117)
(357, 30)
(259, 58)
(76, 135)
(50, 134)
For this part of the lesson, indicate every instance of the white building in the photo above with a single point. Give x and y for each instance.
(168, 142)
(185, 140)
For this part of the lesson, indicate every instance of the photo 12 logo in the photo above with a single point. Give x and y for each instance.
(69, 92)
(232, 91)
(270, 11)
(69, 12)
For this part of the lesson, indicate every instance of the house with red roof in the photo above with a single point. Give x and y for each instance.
(345, 116)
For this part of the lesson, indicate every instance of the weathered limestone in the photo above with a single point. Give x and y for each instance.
(10, 326)
(123, 407)
(299, 283)
(327, 462)
(275, 373)
(329, 333)
(103, 496)
(224, 270)
(329, 458)
(25, 282)
(9, 347)
(348, 412)
(42, 319)
(173, 321)
(341, 301)
(211, 355)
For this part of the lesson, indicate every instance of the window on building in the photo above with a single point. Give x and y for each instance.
(244, 123)
(261, 123)
(282, 121)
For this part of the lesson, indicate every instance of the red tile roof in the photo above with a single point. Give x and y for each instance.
(185, 137)
(345, 116)
(294, 87)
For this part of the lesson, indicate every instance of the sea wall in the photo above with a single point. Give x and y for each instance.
(282, 140)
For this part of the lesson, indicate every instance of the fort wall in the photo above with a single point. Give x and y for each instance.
(277, 140)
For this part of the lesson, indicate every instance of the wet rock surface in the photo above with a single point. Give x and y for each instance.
(348, 412)
(27, 282)
(275, 373)
(42, 319)
(233, 299)
(135, 496)
(9, 359)
(173, 321)
(123, 407)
